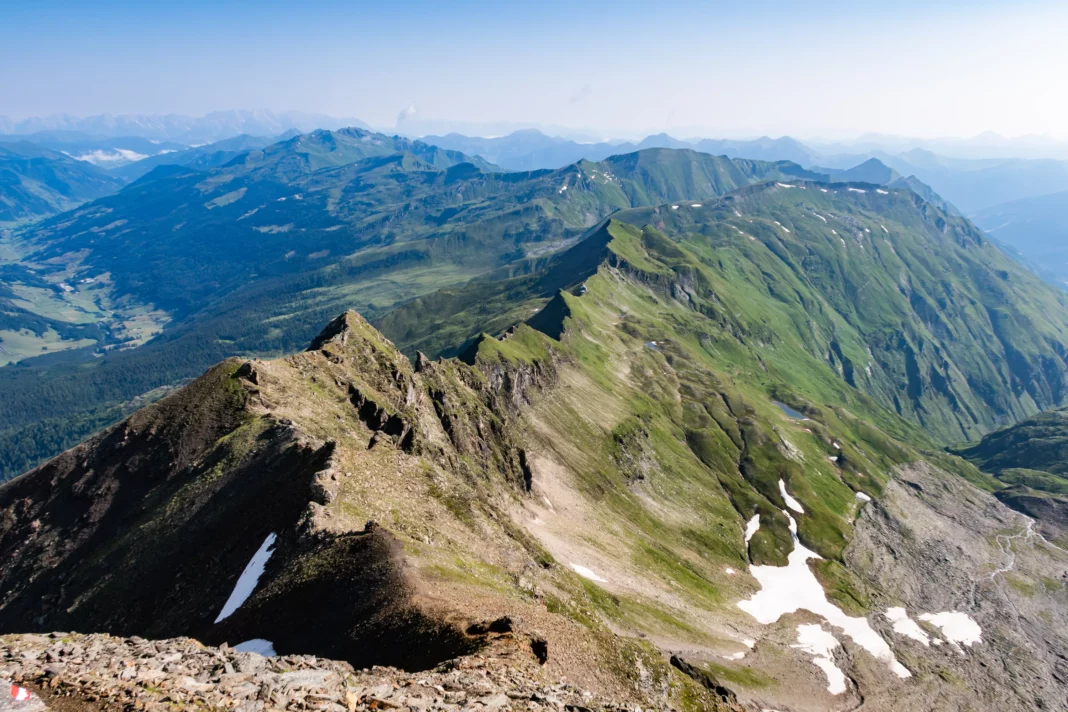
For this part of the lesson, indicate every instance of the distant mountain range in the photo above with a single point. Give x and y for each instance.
(969, 184)
(530, 149)
(184, 129)
(36, 182)
(994, 190)
(1035, 227)
(103, 151)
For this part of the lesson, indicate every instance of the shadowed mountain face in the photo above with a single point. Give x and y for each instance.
(1031, 459)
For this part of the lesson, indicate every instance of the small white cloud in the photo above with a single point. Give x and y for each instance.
(408, 113)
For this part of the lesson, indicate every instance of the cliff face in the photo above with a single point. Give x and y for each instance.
(144, 529)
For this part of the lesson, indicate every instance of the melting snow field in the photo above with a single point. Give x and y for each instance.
(751, 527)
(790, 501)
(790, 588)
(903, 625)
(246, 584)
(785, 185)
(857, 190)
(696, 205)
(257, 645)
(957, 627)
(863, 497)
(820, 644)
(587, 573)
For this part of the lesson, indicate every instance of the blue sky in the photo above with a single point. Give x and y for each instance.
(617, 68)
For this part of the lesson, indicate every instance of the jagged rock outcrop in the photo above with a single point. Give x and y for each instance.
(106, 673)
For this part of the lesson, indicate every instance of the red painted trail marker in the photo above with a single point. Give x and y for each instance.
(19, 694)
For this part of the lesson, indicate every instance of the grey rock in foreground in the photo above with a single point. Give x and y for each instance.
(110, 673)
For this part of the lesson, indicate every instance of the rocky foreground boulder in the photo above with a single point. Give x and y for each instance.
(72, 671)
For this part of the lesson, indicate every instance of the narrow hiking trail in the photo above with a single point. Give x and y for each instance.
(1005, 544)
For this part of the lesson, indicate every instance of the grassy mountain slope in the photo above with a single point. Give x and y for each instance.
(247, 258)
(36, 182)
(589, 476)
(909, 305)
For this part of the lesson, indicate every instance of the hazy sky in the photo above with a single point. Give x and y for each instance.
(802, 68)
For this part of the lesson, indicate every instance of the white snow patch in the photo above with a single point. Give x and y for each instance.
(734, 656)
(857, 190)
(586, 573)
(738, 214)
(751, 527)
(956, 627)
(820, 644)
(824, 190)
(257, 645)
(249, 578)
(884, 229)
(834, 231)
(790, 588)
(749, 643)
(729, 571)
(790, 501)
(696, 205)
(785, 185)
(674, 207)
(833, 458)
(903, 625)
(863, 497)
(781, 225)
(880, 191)
(820, 217)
